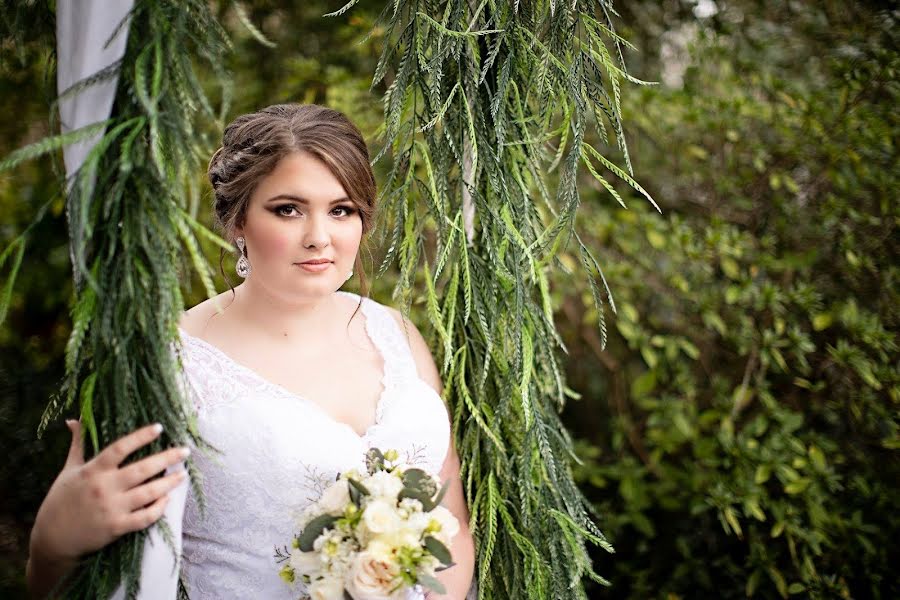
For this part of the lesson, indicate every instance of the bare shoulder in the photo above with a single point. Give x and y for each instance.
(421, 354)
(195, 319)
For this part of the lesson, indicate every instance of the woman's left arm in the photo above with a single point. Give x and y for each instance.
(458, 578)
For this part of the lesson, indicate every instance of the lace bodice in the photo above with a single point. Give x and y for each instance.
(276, 453)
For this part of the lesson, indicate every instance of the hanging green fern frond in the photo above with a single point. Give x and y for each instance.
(477, 93)
(130, 234)
(51, 144)
(16, 250)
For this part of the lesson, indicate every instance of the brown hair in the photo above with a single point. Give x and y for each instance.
(254, 143)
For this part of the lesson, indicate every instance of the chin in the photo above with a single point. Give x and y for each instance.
(316, 287)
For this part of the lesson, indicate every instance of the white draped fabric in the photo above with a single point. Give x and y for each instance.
(83, 28)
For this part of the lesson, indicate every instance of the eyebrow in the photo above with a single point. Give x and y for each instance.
(302, 200)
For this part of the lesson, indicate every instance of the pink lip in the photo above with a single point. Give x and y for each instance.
(315, 261)
(314, 267)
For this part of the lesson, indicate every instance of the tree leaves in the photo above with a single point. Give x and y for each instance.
(744, 423)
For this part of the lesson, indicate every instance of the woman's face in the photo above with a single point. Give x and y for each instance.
(300, 213)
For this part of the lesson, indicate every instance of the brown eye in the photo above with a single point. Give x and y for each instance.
(345, 210)
(284, 210)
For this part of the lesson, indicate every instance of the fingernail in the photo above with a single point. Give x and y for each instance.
(185, 452)
(69, 422)
(157, 428)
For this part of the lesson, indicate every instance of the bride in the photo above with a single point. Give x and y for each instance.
(290, 379)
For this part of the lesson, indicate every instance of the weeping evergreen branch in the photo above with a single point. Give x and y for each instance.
(478, 94)
(131, 238)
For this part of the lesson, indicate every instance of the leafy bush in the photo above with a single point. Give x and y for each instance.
(748, 440)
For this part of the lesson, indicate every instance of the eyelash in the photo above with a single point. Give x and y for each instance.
(347, 210)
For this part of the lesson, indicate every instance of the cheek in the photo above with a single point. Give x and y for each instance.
(349, 237)
(270, 241)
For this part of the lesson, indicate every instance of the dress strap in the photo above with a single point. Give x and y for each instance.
(390, 339)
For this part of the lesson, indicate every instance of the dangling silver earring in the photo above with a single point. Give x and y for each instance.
(243, 264)
(349, 275)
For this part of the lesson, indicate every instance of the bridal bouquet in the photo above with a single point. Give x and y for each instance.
(372, 536)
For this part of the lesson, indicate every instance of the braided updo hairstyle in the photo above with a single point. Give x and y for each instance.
(254, 143)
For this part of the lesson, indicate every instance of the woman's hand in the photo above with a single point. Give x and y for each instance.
(92, 503)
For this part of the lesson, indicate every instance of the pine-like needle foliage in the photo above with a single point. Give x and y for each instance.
(131, 237)
(479, 90)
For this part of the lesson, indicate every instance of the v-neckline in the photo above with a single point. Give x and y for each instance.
(379, 404)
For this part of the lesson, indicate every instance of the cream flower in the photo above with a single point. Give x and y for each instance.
(449, 524)
(373, 579)
(306, 563)
(330, 544)
(335, 498)
(380, 516)
(381, 550)
(417, 522)
(397, 538)
(410, 506)
(384, 485)
(329, 588)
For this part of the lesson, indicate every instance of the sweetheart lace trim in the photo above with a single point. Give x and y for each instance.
(384, 333)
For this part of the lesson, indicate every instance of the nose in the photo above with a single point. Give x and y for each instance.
(316, 234)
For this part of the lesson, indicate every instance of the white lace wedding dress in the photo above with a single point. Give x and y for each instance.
(277, 451)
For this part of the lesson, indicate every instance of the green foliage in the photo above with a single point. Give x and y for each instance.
(126, 201)
(749, 447)
(475, 93)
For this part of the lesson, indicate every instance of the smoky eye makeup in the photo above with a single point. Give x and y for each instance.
(290, 210)
(282, 210)
(348, 209)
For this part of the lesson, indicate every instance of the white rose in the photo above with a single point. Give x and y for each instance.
(417, 522)
(380, 516)
(381, 550)
(397, 538)
(329, 588)
(449, 524)
(385, 485)
(335, 498)
(373, 579)
(306, 563)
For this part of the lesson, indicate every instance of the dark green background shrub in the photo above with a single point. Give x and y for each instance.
(741, 436)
